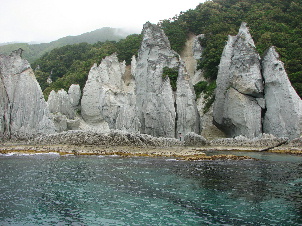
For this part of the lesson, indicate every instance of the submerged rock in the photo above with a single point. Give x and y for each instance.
(283, 116)
(23, 110)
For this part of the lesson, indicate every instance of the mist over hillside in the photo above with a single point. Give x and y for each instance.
(34, 51)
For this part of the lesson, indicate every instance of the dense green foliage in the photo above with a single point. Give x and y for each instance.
(70, 64)
(172, 73)
(271, 22)
(34, 51)
(207, 88)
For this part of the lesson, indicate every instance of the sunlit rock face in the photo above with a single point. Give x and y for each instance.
(157, 108)
(23, 110)
(239, 86)
(107, 98)
(283, 115)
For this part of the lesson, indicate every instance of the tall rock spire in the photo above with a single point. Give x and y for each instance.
(157, 107)
(283, 117)
(23, 110)
(239, 84)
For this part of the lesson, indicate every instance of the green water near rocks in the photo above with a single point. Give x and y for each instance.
(56, 190)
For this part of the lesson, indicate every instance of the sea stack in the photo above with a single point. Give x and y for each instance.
(23, 111)
(239, 87)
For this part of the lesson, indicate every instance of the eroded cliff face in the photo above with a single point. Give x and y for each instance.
(160, 113)
(283, 116)
(107, 99)
(254, 96)
(239, 84)
(23, 110)
(64, 107)
(188, 119)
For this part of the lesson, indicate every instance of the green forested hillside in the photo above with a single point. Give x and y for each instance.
(271, 22)
(33, 51)
(70, 64)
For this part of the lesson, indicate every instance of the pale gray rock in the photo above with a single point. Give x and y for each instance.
(113, 138)
(261, 142)
(59, 102)
(23, 110)
(107, 98)
(192, 52)
(197, 48)
(187, 113)
(239, 83)
(193, 139)
(283, 117)
(74, 93)
(245, 68)
(60, 122)
(242, 115)
(154, 95)
(133, 65)
(208, 130)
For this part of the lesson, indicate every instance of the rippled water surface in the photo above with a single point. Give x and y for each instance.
(54, 190)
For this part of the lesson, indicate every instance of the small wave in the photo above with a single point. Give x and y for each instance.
(29, 154)
(168, 160)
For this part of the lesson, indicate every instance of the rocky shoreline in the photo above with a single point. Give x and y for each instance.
(130, 145)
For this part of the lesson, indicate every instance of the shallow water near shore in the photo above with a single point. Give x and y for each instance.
(91, 190)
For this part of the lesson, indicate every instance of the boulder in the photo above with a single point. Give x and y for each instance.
(23, 110)
(193, 139)
(283, 116)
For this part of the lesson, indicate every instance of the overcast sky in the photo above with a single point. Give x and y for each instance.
(48, 20)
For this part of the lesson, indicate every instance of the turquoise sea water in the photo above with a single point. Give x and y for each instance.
(56, 190)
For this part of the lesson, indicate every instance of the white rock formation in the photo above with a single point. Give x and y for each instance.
(63, 108)
(161, 111)
(239, 84)
(60, 102)
(23, 110)
(74, 93)
(154, 96)
(107, 99)
(283, 117)
(187, 113)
